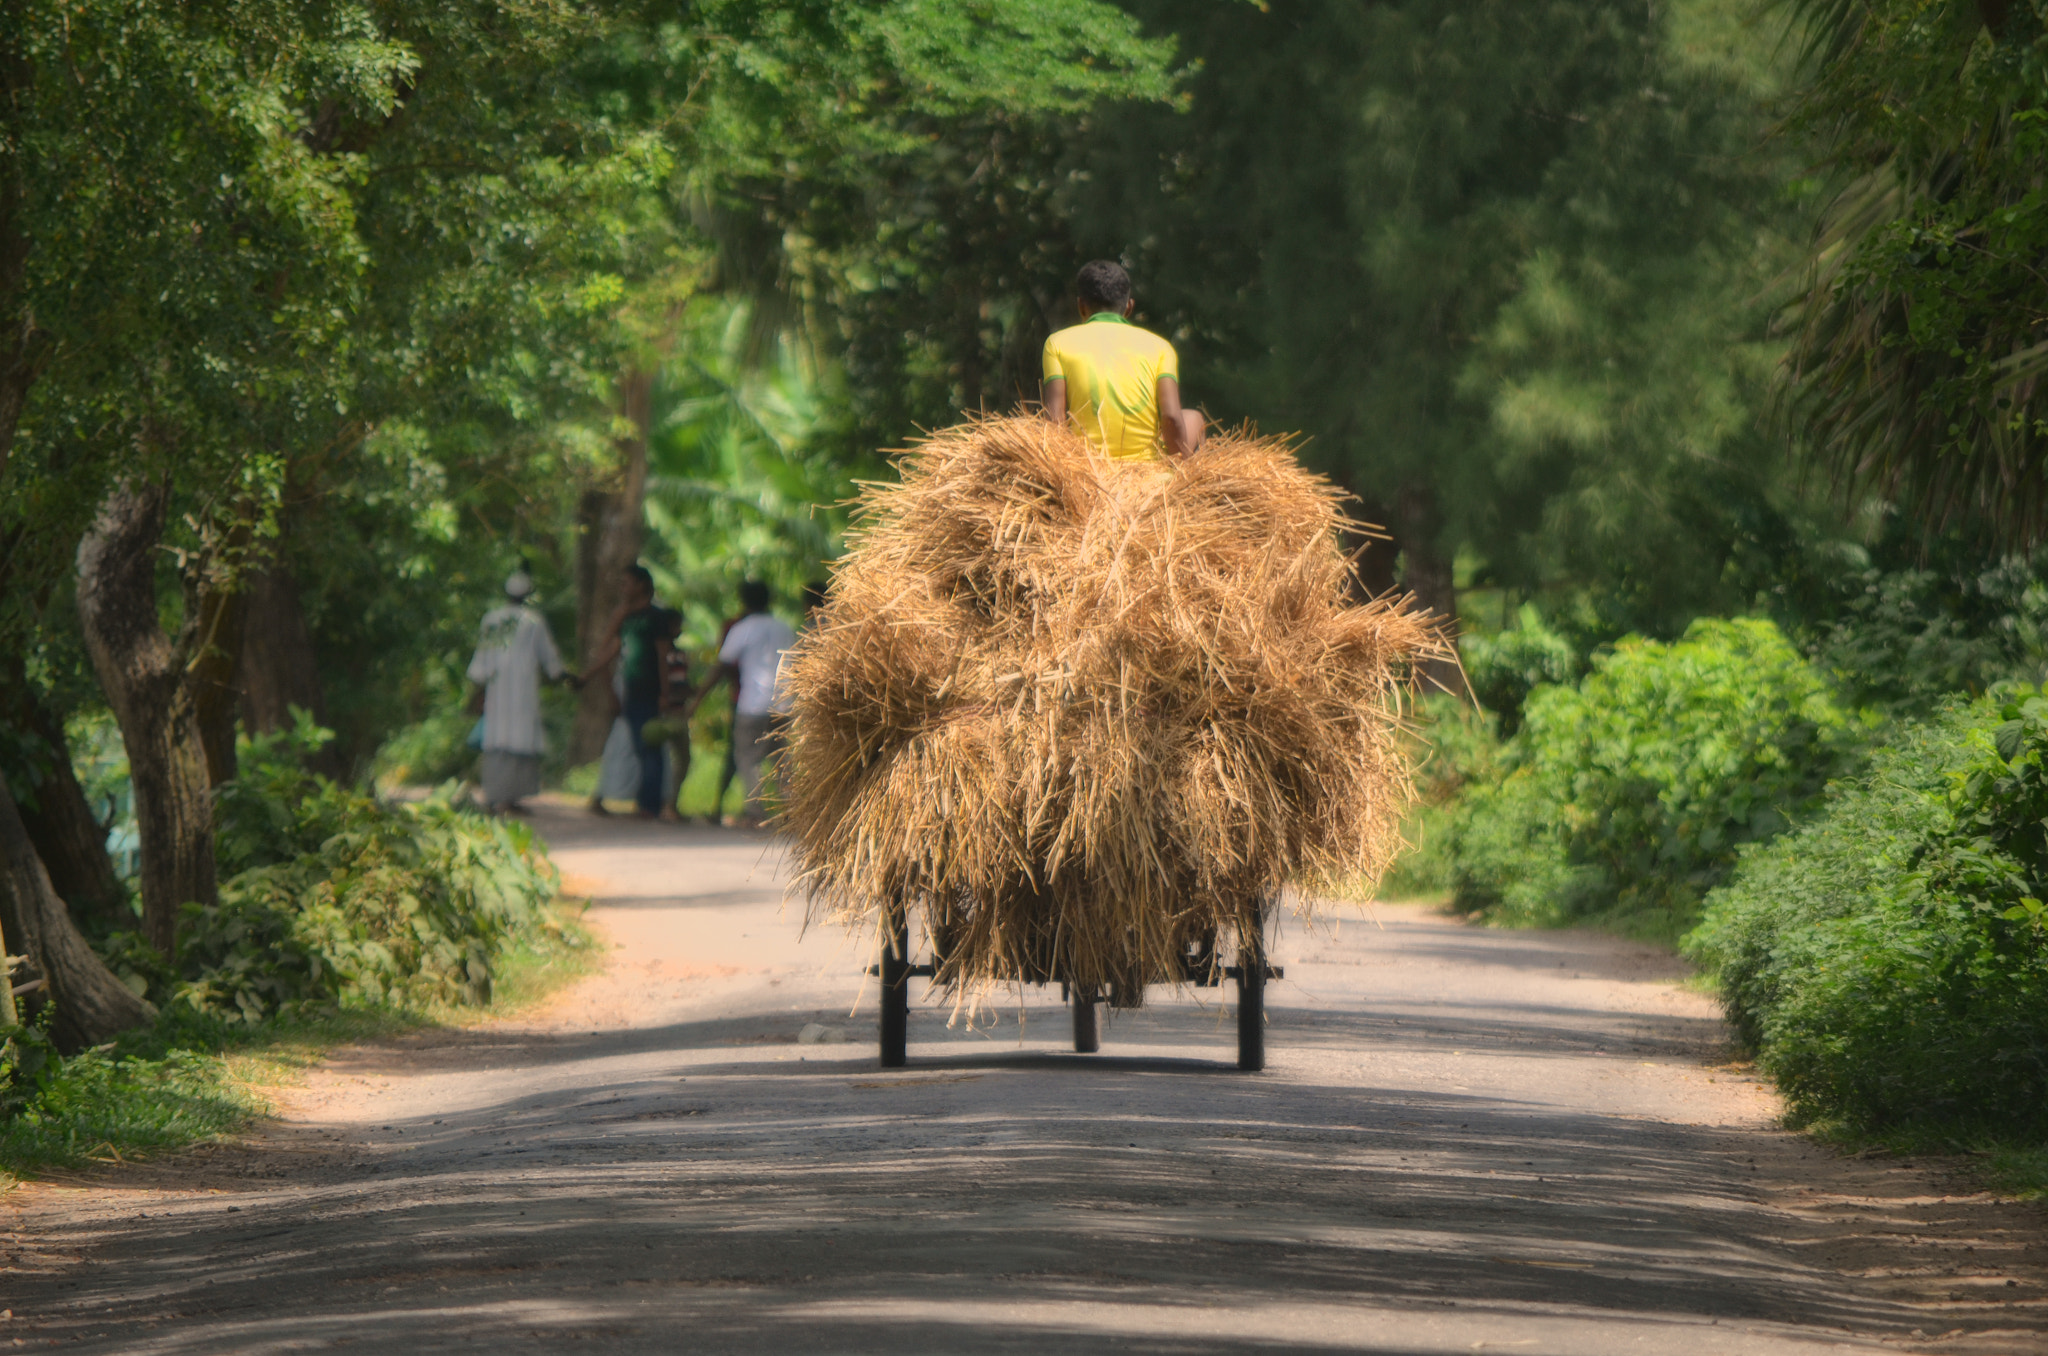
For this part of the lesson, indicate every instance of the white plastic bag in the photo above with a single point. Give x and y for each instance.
(618, 772)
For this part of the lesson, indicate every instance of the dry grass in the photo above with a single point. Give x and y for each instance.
(1078, 716)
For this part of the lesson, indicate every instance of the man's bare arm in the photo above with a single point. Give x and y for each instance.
(1052, 399)
(1182, 429)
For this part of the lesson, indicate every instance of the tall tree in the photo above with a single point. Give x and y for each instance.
(1921, 365)
(188, 258)
(148, 683)
(1490, 258)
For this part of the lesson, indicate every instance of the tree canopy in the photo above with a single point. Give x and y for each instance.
(1922, 338)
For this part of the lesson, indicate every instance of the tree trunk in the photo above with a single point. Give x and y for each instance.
(216, 654)
(143, 677)
(67, 834)
(1374, 555)
(279, 670)
(71, 840)
(9, 1016)
(91, 1005)
(611, 528)
(593, 510)
(1427, 574)
(22, 346)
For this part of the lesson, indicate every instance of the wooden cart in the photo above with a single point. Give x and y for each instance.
(1202, 968)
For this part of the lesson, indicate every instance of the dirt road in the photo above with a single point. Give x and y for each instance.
(1466, 1140)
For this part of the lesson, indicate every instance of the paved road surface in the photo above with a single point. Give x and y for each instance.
(1467, 1140)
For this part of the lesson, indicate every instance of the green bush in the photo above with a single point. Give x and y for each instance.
(1454, 747)
(1506, 666)
(27, 1062)
(430, 751)
(1889, 960)
(336, 896)
(1919, 620)
(1625, 800)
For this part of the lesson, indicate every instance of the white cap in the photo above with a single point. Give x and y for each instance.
(518, 584)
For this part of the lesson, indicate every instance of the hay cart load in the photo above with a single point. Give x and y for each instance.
(1080, 721)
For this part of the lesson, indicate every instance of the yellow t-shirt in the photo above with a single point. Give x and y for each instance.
(1112, 370)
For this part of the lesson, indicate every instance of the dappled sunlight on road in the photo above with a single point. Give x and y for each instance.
(1466, 1139)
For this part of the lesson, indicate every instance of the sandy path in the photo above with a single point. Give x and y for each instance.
(1467, 1140)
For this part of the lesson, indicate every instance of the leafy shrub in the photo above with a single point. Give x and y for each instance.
(1889, 960)
(1625, 799)
(27, 1061)
(1905, 639)
(1455, 747)
(1505, 667)
(429, 751)
(435, 748)
(336, 896)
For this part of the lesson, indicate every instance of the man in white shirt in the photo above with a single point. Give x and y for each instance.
(514, 653)
(751, 660)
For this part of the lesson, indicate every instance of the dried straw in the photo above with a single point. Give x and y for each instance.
(1076, 716)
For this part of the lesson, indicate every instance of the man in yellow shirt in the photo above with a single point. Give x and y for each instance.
(1118, 384)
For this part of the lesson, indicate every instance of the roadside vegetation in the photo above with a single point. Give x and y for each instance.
(342, 918)
(1832, 799)
(1856, 863)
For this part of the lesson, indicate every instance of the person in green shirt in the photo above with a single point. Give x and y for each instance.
(640, 641)
(1116, 384)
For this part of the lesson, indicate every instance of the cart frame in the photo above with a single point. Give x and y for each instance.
(1250, 973)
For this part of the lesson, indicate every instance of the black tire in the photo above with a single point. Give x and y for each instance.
(1087, 1021)
(1251, 990)
(896, 995)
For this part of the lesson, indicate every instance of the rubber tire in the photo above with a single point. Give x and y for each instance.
(896, 996)
(1087, 1022)
(1251, 992)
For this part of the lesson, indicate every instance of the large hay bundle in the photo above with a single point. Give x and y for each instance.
(1078, 715)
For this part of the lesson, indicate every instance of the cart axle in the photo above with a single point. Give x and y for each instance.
(1200, 968)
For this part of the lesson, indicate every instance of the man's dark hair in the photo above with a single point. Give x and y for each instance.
(642, 576)
(1103, 285)
(753, 595)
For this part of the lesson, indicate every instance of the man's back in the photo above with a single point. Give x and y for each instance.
(754, 647)
(1112, 370)
(515, 637)
(513, 654)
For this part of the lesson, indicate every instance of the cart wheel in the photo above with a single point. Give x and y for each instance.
(896, 994)
(1087, 1021)
(1251, 990)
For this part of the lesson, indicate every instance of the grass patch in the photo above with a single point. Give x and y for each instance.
(194, 1077)
(1996, 1161)
(2017, 1170)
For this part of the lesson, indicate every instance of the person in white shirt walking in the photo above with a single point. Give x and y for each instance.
(515, 653)
(751, 660)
